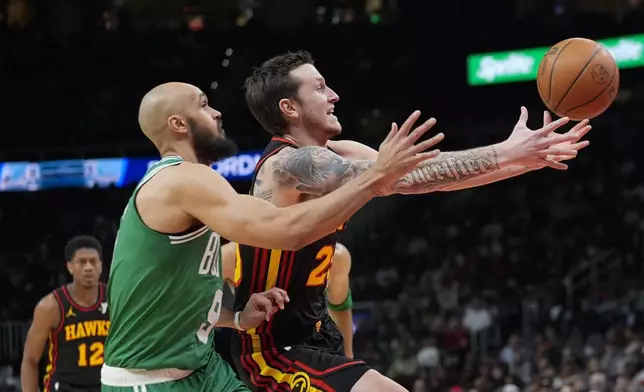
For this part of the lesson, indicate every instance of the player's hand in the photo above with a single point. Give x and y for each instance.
(529, 148)
(581, 129)
(398, 153)
(262, 306)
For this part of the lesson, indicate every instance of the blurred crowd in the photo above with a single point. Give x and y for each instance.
(529, 284)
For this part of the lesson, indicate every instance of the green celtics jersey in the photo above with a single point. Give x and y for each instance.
(164, 293)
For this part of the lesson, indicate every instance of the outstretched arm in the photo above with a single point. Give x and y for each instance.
(454, 171)
(202, 193)
(500, 175)
(357, 151)
(318, 171)
(579, 131)
(413, 182)
(453, 180)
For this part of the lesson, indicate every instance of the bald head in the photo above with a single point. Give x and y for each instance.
(161, 103)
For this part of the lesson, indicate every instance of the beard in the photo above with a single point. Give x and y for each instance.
(208, 147)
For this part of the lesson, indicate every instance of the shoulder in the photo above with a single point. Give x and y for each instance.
(266, 170)
(48, 303)
(312, 170)
(305, 157)
(186, 173)
(48, 310)
(186, 179)
(280, 156)
(298, 161)
(291, 154)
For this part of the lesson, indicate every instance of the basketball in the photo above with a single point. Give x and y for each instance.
(578, 78)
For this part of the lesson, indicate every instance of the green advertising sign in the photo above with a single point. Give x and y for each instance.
(521, 65)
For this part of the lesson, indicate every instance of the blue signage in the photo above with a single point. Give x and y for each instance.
(103, 172)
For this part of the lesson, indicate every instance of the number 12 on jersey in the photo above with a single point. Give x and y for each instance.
(95, 357)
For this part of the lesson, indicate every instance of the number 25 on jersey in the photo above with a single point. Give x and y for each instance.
(320, 274)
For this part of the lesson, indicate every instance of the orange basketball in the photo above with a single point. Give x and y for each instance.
(578, 78)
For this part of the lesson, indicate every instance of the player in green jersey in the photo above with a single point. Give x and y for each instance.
(165, 288)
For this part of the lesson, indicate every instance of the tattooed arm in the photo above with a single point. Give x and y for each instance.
(354, 150)
(318, 171)
(486, 179)
(315, 170)
(449, 169)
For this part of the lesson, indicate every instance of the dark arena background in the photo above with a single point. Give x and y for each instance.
(534, 283)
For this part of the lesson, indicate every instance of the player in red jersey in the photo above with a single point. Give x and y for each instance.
(73, 321)
(300, 349)
(338, 290)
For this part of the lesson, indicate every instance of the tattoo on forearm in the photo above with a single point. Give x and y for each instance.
(316, 170)
(489, 178)
(449, 168)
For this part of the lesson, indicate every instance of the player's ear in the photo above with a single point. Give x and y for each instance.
(177, 123)
(69, 267)
(289, 107)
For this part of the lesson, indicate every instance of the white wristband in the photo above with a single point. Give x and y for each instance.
(236, 321)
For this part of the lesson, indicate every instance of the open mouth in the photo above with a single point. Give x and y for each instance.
(330, 113)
